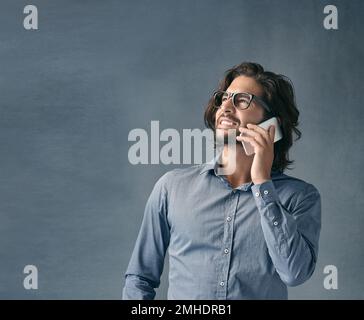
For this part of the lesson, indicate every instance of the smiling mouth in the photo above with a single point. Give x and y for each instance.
(229, 123)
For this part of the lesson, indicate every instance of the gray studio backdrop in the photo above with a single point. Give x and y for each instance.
(71, 203)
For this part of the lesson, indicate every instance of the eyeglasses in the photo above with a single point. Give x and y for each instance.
(240, 100)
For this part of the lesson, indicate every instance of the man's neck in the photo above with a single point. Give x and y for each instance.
(243, 164)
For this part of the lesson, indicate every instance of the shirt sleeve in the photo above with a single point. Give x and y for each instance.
(146, 264)
(292, 237)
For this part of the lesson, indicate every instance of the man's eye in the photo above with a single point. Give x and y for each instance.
(242, 100)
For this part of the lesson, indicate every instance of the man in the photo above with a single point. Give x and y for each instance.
(245, 235)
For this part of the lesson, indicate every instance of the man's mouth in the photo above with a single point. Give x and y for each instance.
(227, 123)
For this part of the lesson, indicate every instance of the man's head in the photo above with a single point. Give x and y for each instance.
(266, 94)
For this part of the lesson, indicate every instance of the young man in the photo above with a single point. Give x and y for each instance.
(245, 235)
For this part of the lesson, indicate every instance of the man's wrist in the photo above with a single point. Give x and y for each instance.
(261, 180)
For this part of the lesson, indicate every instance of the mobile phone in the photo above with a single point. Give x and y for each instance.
(249, 149)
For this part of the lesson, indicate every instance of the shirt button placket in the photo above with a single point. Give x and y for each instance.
(228, 236)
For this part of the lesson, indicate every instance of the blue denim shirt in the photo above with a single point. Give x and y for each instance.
(250, 242)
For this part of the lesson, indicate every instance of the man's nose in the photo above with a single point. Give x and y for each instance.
(227, 105)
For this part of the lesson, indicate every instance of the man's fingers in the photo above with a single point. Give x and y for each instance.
(262, 138)
(257, 129)
(247, 132)
(251, 140)
(272, 130)
(266, 134)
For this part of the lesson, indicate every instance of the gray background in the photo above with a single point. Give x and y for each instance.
(70, 202)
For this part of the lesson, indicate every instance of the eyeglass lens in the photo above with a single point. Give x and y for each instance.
(241, 100)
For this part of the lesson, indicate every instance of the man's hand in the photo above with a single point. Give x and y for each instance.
(263, 142)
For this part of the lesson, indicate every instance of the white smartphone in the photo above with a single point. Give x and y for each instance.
(249, 149)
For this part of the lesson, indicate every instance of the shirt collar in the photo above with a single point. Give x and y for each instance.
(212, 164)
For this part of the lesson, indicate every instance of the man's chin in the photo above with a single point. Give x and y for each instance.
(224, 135)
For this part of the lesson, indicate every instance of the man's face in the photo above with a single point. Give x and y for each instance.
(228, 117)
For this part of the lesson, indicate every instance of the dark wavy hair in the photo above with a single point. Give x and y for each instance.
(279, 94)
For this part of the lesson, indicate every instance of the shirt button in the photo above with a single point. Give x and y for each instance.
(228, 218)
(275, 223)
(257, 194)
(222, 283)
(226, 251)
(266, 191)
